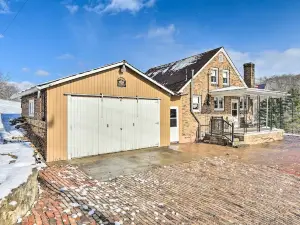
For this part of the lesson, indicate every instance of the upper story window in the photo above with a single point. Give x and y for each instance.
(196, 103)
(214, 76)
(225, 77)
(219, 103)
(221, 58)
(31, 108)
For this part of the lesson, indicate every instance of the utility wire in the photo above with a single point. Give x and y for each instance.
(8, 26)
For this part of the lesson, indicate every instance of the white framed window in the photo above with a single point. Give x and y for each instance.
(196, 103)
(221, 58)
(214, 76)
(243, 104)
(225, 77)
(219, 103)
(31, 108)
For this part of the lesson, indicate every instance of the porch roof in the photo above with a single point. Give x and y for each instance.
(243, 91)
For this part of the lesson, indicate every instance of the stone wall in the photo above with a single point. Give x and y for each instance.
(36, 132)
(24, 196)
(202, 86)
(36, 128)
(263, 137)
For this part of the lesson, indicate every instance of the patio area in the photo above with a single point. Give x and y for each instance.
(216, 185)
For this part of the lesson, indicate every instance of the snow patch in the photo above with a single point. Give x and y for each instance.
(10, 107)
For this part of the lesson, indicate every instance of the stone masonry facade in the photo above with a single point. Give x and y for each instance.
(202, 86)
(36, 127)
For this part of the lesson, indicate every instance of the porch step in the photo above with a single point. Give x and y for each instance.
(219, 140)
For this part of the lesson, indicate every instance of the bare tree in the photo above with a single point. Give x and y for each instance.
(6, 89)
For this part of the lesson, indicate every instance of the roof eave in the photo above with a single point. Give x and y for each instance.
(26, 92)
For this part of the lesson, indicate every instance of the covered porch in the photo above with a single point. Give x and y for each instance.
(254, 114)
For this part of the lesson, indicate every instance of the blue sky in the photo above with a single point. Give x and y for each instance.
(51, 38)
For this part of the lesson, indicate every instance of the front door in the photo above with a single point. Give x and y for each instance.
(235, 112)
(174, 127)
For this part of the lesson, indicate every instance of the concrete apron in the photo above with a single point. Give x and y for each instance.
(104, 167)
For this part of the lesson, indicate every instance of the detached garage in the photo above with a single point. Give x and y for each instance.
(109, 109)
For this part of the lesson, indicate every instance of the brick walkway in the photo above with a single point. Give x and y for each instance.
(206, 191)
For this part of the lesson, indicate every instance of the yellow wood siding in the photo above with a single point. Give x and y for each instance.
(105, 83)
(176, 101)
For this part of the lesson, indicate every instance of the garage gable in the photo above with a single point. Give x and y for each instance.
(114, 82)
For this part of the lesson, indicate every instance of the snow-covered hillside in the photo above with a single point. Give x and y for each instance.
(10, 107)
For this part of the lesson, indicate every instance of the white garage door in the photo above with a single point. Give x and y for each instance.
(99, 125)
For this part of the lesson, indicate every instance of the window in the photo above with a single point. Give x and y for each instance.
(31, 108)
(173, 117)
(214, 76)
(221, 59)
(196, 103)
(225, 77)
(243, 103)
(219, 103)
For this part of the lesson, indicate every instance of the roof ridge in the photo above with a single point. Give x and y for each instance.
(184, 58)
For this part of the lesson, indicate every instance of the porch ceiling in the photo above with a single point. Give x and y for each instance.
(242, 91)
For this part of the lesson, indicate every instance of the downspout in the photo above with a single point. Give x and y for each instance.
(191, 108)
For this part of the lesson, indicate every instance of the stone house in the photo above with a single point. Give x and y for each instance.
(117, 107)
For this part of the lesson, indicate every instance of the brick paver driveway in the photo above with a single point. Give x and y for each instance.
(208, 190)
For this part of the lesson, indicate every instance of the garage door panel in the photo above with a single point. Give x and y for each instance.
(106, 125)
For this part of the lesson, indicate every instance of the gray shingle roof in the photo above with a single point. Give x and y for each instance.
(173, 75)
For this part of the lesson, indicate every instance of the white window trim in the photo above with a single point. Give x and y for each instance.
(217, 75)
(242, 100)
(199, 103)
(221, 57)
(31, 108)
(218, 108)
(228, 76)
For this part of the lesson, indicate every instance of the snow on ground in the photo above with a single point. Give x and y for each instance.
(16, 164)
(16, 159)
(10, 107)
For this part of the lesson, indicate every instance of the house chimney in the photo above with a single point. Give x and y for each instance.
(249, 74)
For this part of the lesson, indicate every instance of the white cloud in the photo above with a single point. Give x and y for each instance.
(22, 85)
(1, 36)
(25, 69)
(115, 6)
(42, 73)
(65, 56)
(160, 33)
(4, 8)
(72, 8)
(271, 62)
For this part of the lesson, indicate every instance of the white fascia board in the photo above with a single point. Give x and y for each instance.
(149, 79)
(229, 60)
(233, 66)
(80, 75)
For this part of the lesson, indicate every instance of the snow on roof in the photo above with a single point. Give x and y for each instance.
(176, 74)
(242, 91)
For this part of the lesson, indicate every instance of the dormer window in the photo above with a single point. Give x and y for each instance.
(214, 76)
(225, 77)
(221, 58)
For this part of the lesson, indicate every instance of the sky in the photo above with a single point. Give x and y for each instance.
(49, 39)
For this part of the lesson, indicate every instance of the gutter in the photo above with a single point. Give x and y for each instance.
(191, 108)
(26, 92)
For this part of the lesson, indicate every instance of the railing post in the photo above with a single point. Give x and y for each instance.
(211, 119)
(232, 132)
